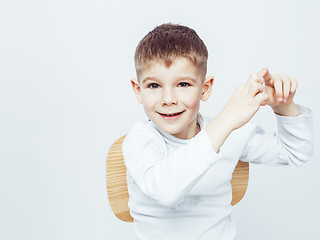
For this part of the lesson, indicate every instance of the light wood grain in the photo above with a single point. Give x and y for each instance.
(239, 181)
(117, 182)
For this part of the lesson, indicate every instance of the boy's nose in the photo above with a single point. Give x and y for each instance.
(169, 98)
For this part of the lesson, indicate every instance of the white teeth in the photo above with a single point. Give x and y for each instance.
(173, 114)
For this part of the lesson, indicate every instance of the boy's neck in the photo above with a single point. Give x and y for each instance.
(192, 130)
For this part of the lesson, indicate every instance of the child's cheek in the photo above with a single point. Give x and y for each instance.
(192, 100)
(149, 101)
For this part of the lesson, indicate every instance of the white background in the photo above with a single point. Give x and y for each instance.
(65, 96)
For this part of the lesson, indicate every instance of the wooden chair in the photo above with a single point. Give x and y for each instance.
(117, 182)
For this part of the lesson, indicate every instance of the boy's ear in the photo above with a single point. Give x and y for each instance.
(207, 88)
(136, 88)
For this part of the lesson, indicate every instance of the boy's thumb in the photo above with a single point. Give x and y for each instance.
(262, 72)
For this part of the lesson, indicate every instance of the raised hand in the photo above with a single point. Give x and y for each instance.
(280, 89)
(245, 101)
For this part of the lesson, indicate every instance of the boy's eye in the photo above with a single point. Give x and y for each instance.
(153, 85)
(184, 84)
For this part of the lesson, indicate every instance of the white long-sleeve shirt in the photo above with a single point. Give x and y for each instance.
(180, 189)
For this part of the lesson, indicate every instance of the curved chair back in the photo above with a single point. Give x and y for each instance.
(117, 182)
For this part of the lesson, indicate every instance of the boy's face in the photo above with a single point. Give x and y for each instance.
(171, 95)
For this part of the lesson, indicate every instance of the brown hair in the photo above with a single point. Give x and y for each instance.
(169, 41)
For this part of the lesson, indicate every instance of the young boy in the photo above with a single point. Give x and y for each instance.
(179, 164)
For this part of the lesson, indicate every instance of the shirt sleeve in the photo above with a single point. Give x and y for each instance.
(167, 179)
(292, 145)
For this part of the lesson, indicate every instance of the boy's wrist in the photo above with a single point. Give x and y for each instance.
(218, 131)
(225, 121)
(289, 110)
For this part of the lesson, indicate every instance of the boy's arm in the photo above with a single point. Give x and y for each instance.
(295, 137)
(166, 179)
(291, 145)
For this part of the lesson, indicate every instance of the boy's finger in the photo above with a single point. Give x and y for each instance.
(265, 74)
(262, 72)
(256, 88)
(255, 77)
(262, 98)
(259, 79)
(286, 87)
(294, 85)
(278, 87)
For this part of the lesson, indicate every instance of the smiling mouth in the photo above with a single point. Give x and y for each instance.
(170, 114)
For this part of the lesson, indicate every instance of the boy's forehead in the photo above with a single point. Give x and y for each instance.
(179, 68)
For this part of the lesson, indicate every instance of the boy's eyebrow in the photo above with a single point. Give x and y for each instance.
(186, 78)
(179, 78)
(149, 78)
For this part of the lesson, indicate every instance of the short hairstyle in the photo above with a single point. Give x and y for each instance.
(167, 42)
